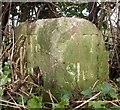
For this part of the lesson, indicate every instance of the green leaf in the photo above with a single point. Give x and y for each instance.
(1, 91)
(35, 102)
(23, 98)
(87, 93)
(104, 87)
(4, 79)
(61, 104)
(64, 102)
(115, 108)
(118, 80)
(108, 89)
(113, 93)
(6, 68)
(7, 72)
(65, 94)
(97, 104)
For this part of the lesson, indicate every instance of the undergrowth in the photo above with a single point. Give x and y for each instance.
(102, 95)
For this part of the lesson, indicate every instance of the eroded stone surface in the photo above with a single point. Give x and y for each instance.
(69, 51)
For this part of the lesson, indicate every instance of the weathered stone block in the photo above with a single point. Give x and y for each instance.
(69, 51)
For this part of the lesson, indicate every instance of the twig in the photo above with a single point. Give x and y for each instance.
(50, 96)
(13, 47)
(21, 62)
(114, 84)
(87, 100)
(105, 101)
(9, 46)
(12, 106)
(21, 97)
(11, 97)
(115, 104)
(18, 105)
(31, 90)
(95, 84)
(24, 93)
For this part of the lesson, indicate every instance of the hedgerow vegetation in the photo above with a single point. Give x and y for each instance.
(19, 90)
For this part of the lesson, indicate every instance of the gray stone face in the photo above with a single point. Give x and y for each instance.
(69, 51)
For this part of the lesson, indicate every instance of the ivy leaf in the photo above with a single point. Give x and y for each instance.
(35, 102)
(61, 104)
(6, 68)
(113, 93)
(4, 79)
(97, 104)
(87, 93)
(107, 89)
(104, 87)
(24, 98)
(65, 94)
